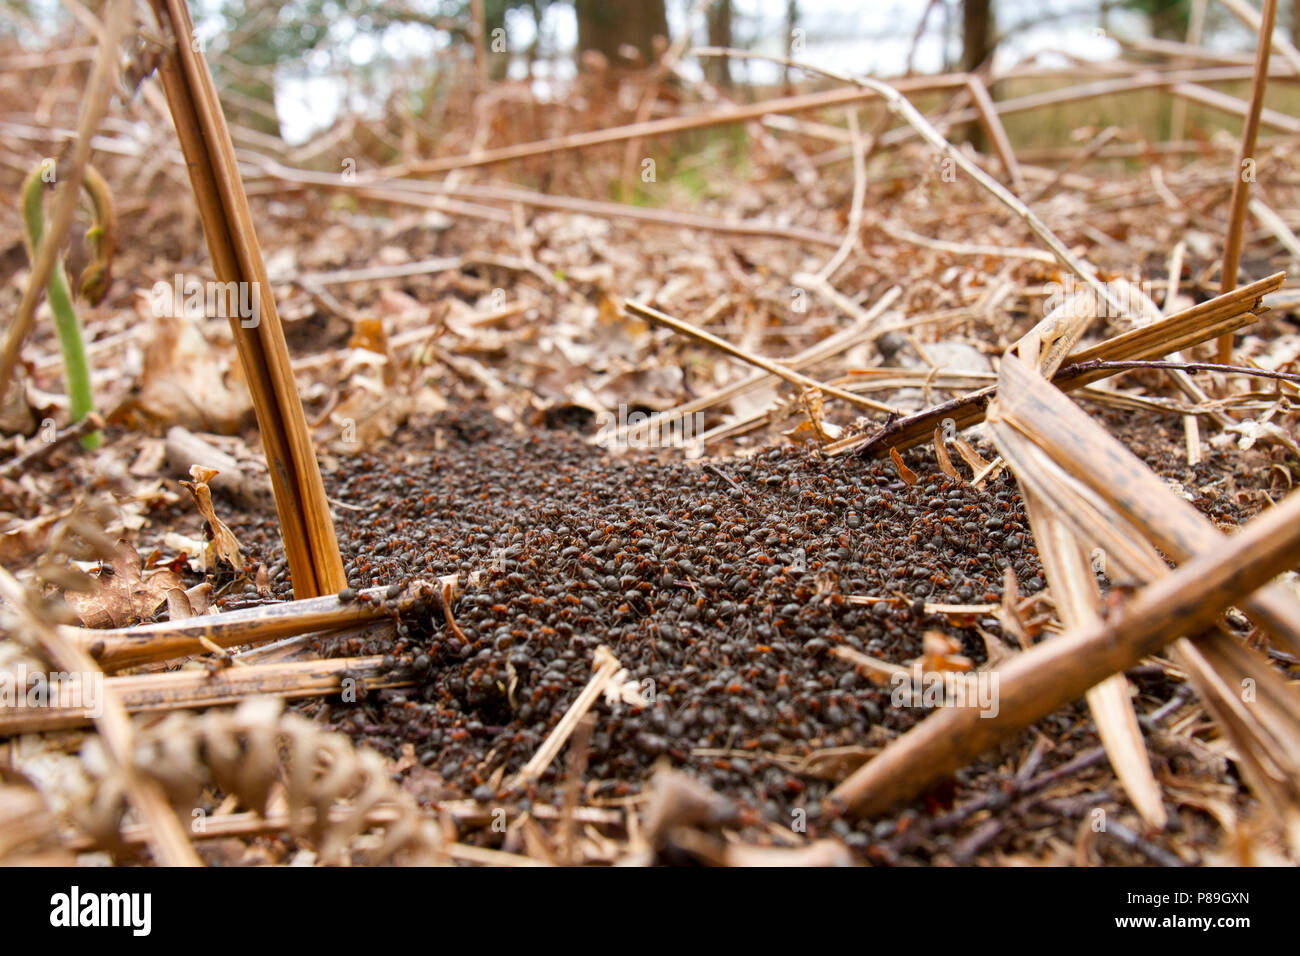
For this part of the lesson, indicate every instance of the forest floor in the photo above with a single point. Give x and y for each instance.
(455, 395)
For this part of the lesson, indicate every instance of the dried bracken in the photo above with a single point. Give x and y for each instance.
(333, 792)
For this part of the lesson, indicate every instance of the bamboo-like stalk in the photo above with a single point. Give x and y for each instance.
(194, 689)
(1264, 731)
(1240, 181)
(116, 648)
(1071, 470)
(1074, 589)
(1066, 565)
(1135, 495)
(1173, 333)
(149, 643)
(308, 530)
(1034, 683)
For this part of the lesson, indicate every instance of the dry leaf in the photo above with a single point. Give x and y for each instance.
(941, 455)
(183, 381)
(908, 476)
(224, 546)
(122, 596)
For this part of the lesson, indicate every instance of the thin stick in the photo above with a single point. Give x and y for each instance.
(1237, 107)
(1241, 181)
(997, 133)
(862, 321)
(124, 647)
(99, 87)
(675, 124)
(1081, 368)
(38, 450)
(965, 248)
(1195, 29)
(250, 823)
(182, 690)
(1276, 225)
(607, 666)
(1035, 682)
(429, 195)
(854, 229)
(1147, 79)
(1171, 334)
(773, 368)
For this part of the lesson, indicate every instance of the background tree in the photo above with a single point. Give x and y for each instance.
(608, 25)
(978, 40)
(977, 34)
(1168, 18)
(718, 68)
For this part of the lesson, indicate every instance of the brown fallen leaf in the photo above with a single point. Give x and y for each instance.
(369, 334)
(183, 381)
(908, 476)
(122, 594)
(941, 456)
(26, 538)
(224, 546)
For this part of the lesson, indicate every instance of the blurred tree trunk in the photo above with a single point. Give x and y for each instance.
(607, 25)
(977, 34)
(978, 37)
(718, 68)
